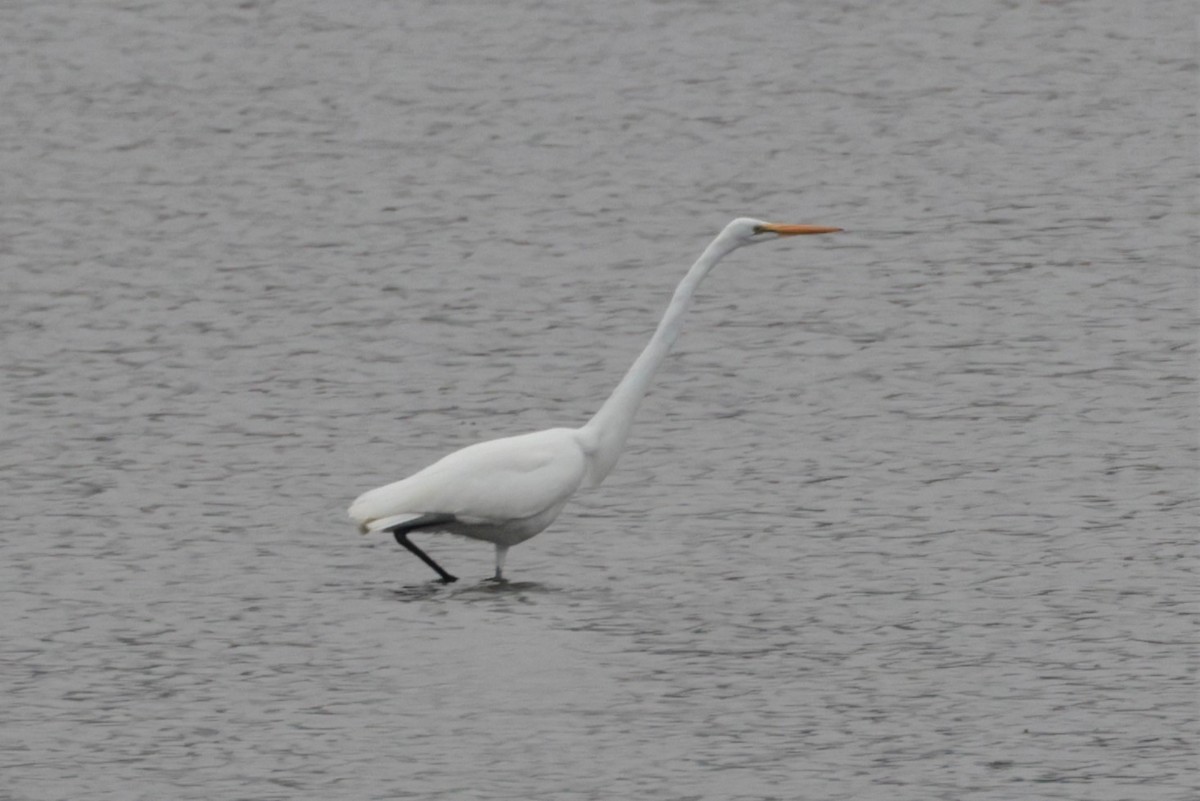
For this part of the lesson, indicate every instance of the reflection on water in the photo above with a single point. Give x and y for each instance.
(487, 589)
(908, 514)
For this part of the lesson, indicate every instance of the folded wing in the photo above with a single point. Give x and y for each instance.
(493, 482)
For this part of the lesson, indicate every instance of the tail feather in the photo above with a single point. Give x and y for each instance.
(384, 523)
(407, 522)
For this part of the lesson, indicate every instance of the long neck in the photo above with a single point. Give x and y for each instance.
(606, 432)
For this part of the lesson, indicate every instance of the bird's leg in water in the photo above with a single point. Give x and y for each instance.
(501, 552)
(402, 538)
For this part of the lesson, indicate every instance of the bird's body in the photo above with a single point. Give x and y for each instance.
(504, 491)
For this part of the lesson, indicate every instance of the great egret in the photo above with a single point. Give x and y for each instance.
(505, 491)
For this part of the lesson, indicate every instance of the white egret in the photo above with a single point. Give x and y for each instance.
(505, 491)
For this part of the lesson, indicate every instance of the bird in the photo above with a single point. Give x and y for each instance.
(505, 491)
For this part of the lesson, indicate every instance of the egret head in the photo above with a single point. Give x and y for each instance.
(748, 231)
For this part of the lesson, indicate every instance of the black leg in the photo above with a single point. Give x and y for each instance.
(402, 538)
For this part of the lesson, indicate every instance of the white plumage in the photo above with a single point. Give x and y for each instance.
(494, 486)
(505, 491)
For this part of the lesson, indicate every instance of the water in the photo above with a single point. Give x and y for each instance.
(910, 513)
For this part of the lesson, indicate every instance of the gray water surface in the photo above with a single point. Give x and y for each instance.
(909, 514)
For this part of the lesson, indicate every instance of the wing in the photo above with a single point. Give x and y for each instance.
(495, 482)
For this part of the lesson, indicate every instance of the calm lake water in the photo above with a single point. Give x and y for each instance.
(909, 514)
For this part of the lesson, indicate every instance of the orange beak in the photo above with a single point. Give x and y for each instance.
(796, 230)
